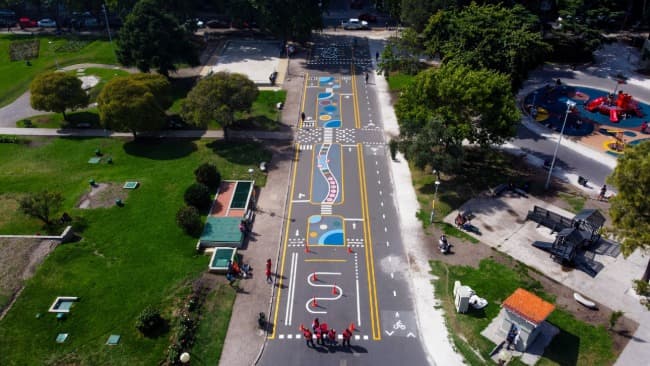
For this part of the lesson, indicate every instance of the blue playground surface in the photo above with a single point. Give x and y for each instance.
(329, 113)
(325, 230)
(550, 102)
(327, 174)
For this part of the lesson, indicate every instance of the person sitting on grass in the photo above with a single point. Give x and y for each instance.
(460, 220)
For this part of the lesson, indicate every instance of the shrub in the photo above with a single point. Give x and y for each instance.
(189, 220)
(197, 195)
(208, 174)
(149, 320)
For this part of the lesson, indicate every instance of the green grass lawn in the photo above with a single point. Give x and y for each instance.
(15, 76)
(575, 201)
(577, 343)
(87, 118)
(104, 75)
(398, 81)
(214, 325)
(129, 257)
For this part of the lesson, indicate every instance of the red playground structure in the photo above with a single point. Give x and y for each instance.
(617, 107)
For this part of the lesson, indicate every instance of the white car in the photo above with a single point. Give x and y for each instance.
(355, 23)
(47, 23)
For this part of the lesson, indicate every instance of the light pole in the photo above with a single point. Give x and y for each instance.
(250, 172)
(433, 203)
(56, 60)
(108, 28)
(569, 104)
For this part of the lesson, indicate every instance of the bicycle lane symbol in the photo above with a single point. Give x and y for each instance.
(399, 324)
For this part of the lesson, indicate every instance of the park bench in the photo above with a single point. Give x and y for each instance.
(551, 220)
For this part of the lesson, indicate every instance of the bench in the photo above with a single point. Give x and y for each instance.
(498, 190)
(552, 220)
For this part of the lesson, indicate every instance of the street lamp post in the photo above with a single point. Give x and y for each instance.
(433, 203)
(569, 104)
(56, 60)
(108, 28)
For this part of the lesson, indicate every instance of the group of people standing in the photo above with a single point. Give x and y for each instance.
(325, 336)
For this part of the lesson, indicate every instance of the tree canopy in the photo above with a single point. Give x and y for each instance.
(42, 205)
(134, 103)
(444, 107)
(217, 98)
(153, 38)
(56, 92)
(290, 19)
(504, 39)
(630, 208)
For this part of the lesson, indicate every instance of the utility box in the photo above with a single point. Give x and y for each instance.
(461, 297)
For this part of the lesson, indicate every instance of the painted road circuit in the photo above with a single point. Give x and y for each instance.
(342, 258)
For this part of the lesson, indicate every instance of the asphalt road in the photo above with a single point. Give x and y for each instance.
(342, 258)
(567, 159)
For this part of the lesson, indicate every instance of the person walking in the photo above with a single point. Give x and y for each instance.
(366, 77)
(377, 56)
(346, 337)
(302, 116)
(269, 276)
(603, 192)
(315, 324)
(309, 341)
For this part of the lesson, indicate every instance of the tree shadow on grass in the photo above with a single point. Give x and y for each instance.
(238, 152)
(564, 349)
(160, 149)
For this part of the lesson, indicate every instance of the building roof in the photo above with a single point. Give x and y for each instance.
(222, 230)
(529, 306)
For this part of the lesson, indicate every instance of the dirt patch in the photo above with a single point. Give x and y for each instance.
(102, 195)
(19, 259)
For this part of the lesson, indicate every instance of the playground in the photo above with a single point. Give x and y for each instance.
(606, 120)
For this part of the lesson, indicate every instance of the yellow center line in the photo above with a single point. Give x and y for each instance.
(286, 239)
(326, 260)
(304, 96)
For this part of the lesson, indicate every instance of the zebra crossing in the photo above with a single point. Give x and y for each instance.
(326, 209)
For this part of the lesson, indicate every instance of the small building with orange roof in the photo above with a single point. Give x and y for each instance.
(524, 313)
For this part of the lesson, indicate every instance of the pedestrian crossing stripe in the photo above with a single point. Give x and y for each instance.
(299, 336)
(305, 147)
(315, 245)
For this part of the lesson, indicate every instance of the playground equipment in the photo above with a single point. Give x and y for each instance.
(617, 107)
(573, 235)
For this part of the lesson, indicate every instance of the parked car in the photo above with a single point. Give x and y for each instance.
(217, 23)
(355, 24)
(368, 17)
(47, 23)
(7, 18)
(25, 22)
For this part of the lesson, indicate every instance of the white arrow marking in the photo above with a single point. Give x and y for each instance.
(389, 333)
(410, 335)
(396, 314)
(297, 233)
(301, 196)
(354, 226)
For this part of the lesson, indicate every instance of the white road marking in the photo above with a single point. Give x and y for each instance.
(358, 305)
(387, 243)
(389, 333)
(379, 182)
(281, 336)
(377, 171)
(339, 292)
(397, 314)
(365, 337)
(357, 337)
(394, 293)
(382, 203)
(381, 193)
(301, 201)
(301, 196)
(383, 216)
(297, 232)
(390, 259)
(289, 336)
(349, 219)
(292, 286)
(354, 226)
(392, 275)
(376, 162)
(385, 229)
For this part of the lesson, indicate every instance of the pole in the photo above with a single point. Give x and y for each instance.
(108, 28)
(433, 203)
(569, 104)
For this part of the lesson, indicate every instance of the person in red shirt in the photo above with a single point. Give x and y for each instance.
(346, 337)
(332, 337)
(308, 337)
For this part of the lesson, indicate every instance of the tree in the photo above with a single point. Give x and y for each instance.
(444, 107)
(208, 175)
(189, 219)
(198, 195)
(149, 320)
(630, 208)
(217, 98)
(495, 37)
(41, 205)
(56, 92)
(134, 103)
(152, 38)
(291, 19)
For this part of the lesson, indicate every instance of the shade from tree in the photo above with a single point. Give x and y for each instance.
(152, 38)
(41, 205)
(217, 98)
(134, 103)
(444, 107)
(57, 92)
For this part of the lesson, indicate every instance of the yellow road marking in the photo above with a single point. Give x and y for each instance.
(326, 260)
(357, 122)
(370, 265)
(304, 96)
(286, 239)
